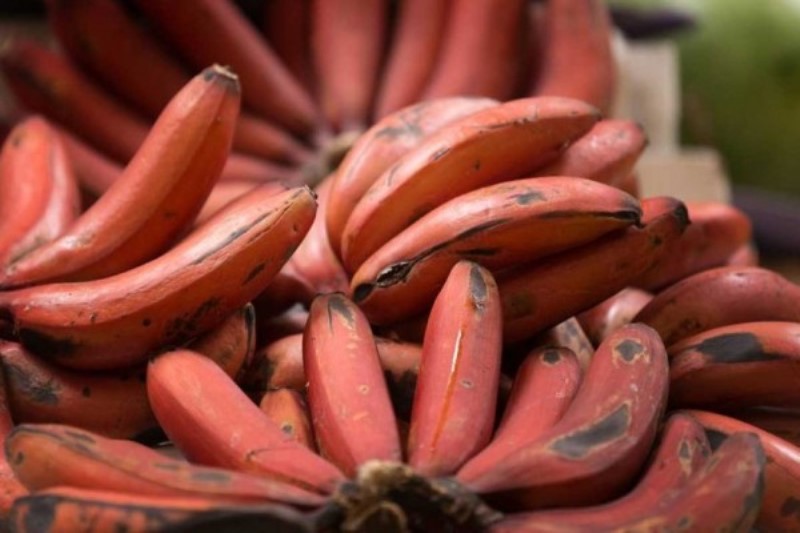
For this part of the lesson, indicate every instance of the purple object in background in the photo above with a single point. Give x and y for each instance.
(775, 217)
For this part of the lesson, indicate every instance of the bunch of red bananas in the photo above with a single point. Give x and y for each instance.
(474, 324)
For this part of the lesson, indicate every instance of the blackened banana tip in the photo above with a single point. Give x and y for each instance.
(222, 74)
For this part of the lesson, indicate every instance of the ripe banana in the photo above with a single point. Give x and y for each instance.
(160, 192)
(720, 297)
(614, 312)
(717, 232)
(504, 142)
(723, 495)
(779, 507)
(51, 455)
(213, 31)
(120, 320)
(594, 451)
(480, 49)
(544, 387)
(742, 365)
(72, 509)
(454, 403)
(347, 41)
(412, 54)
(499, 226)
(351, 411)
(544, 294)
(288, 410)
(200, 408)
(38, 192)
(607, 153)
(381, 146)
(576, 57)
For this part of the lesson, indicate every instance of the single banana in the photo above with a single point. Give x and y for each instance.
(200, 408)
(39, 196)
(719, 297)
(599, 445)
(454, 403)
(158, 195)
(622, 308)
(499, 226)
(120, 320)
(501, 143)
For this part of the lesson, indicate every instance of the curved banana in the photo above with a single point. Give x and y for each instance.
(212, 31)
(499, 226)
(161, 190)
(351, 410)
(622, 308)
(720, 297)
(779, 511)
(51, 455)
(120, 320)
(504, 142)
(454, 402)
(197, 405)
(742, 365)
(381, 146)
(39, 196)
(717, 231)
(546, 293)
(576, 56)
(594, 451)
(479, 52)
(411, 58)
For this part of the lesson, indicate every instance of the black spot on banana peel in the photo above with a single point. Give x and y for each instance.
(600, 434)
(629, 350)
(337, 304)
(49, 345)
(734, 348)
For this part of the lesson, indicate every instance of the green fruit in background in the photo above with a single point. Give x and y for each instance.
(740, 70)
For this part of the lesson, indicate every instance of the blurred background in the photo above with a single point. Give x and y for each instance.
(737, 79)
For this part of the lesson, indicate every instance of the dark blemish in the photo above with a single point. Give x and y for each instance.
(715, 438)
(656, 240)
(441, 152)
(480, 252)
(41, 513)
(527, 198)
(629, 350)
(121, 527)
(185, 326)
(172, 467)
(16, 139)
(362, 292)
(790, 507)
(734, 348)
(519, 304)
(394, 273)
(683, 523)
(80, 436)
(477, 288)
(19, 458)
(93, 318)
(474, 230)
(146, 322)
(287, 428)
(232, 236)
(46, 345)
(254, 272)
(682, 214)
(598, 435)
(86, 392)
(684, 451)
(44, 393)
(169, 214)
(551, 357)
(214, 476)
(208, 74)
(476, 165)
(338, 304)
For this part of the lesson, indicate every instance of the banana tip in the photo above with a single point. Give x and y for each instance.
(222, 74)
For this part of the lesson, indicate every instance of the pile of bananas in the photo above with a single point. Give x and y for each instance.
(472, 323)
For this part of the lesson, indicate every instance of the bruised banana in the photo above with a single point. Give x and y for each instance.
(347, 41)
(599, 445)
(552, 290)
(38, 191)
(382, 145)
(719, 297)
(412, 54)
(454, 402)
(160, 192)
(779, 504)
(52, 455)
(120, 320)
(480, 49)
(717, 231)
(508, 141)
(197, 405)
(682, 490)
(622, 308)
(71, 509)
(351, 410)
(113, 404)
(742, 365)
(497, 226)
